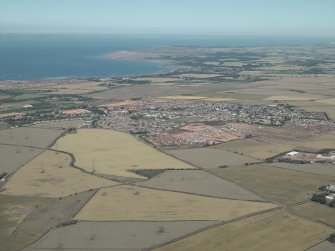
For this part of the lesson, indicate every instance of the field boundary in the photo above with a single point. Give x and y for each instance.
(212, 226)
(196, 194)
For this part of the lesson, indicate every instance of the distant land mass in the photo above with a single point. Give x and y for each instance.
(36, 57)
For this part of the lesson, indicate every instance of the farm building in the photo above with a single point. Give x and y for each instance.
(330, 198)
(293, 153)
(330, 188)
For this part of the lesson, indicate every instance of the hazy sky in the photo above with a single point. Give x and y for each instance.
(313, 18)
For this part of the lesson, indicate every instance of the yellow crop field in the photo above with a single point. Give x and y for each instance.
(184, 97)
(276, 231)
(330, 101)
(49, 175)
(115, 153)
(181, 97)
(80, 88)
(290, 98)
(137, 203)
(219, 99)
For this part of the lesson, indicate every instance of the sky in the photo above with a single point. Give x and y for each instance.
(294, 18)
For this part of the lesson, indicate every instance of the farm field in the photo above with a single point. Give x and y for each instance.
(199, 182)
(185, 97)
(198, 75)
(18, 156)
(211, 158)
(329, 101)
(203, 98)
(158, 79)
(167, 89)
(294, 98)
(125, 203)
(265, 147)
(303, 86)
(116, 235)
(276, 184)
(60, 124)
(50, 214)
(275, 231)
(220, 99)
(28, 136)
(316, 212)
(168, 184)
(323, 246)
(50, 175)
(27, 96)
(137, 91)
(13, 209)
(13, 105)
(81, 88)
(324, 169)
(115, 153)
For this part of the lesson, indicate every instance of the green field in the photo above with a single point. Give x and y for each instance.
(276, 184)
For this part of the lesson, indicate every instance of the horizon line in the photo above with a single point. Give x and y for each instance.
(169, 34)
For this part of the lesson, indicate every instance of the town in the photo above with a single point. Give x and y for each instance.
(164, 121)
(177, 122)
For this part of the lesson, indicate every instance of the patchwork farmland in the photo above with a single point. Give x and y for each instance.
(270, 231)
(50, 175)
(161, 200)
(184, 160)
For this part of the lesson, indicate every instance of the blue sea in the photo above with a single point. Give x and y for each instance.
(36, 57)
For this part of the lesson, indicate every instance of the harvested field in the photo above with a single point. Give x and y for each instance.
(136, 91)
(13, 210)
(198, 75)
(323, 246)
(219, 99)
(14, 157)
(324, 169)
(291, 98)
(264, 144)
(27, 136)
(79, 88)
(186, 97)
(316, 212)
(205, 98)
(211, 158)
(275, 231)
(124, 203)
(49, 175)
(329, 101)
(60, 124)
(277, 184)
(267, 146)
(114, 153)
(308, 86)
(159, 79)
(116, 235)
(51, 214)
(199, 182)
(168, 89)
